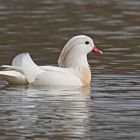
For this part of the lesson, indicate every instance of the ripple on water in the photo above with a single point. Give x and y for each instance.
(109, 109)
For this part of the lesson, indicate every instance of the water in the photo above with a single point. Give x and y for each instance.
(110, 108)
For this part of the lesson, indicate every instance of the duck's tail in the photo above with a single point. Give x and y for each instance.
(13, 77)
(23, 68)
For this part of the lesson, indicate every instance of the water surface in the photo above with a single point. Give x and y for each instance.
(110, 108)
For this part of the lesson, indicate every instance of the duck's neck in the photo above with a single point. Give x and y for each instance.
(84, 69)
(78, 62)
(80, 66)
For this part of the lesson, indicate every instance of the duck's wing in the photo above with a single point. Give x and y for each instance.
(57, 76)
(23, 66)
(29, 68)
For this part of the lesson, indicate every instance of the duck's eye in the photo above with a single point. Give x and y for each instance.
(87, 42)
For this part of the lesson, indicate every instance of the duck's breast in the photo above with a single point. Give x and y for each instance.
(85, 76)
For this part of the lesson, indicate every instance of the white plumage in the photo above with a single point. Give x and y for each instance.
(73, 69)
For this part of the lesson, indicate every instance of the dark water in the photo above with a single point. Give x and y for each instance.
(110, 108)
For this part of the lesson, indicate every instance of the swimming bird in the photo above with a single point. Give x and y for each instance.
(72, 70)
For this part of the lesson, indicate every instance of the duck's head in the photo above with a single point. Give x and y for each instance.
(77, 46)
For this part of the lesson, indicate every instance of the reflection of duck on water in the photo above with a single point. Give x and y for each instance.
(46, 111)
(66, 111)
(73, 67)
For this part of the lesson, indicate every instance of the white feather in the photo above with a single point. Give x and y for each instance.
(73, 67)
(8, 67)
(13, 77)
(56, 76)
(29, 68)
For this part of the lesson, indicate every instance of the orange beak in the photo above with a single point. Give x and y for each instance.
(96, 50)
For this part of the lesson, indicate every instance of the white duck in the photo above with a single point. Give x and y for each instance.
(73, 67)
